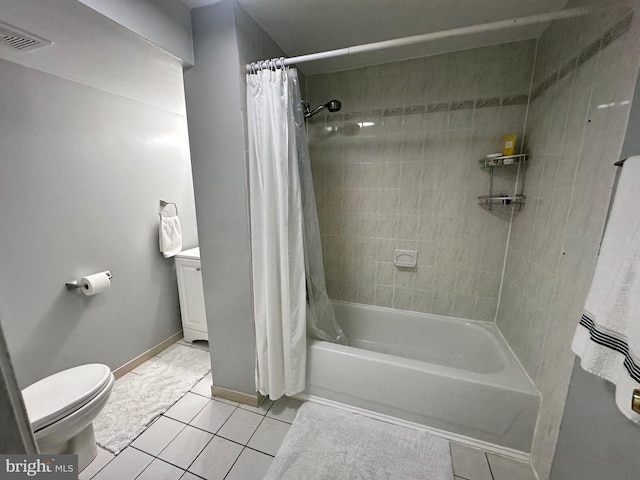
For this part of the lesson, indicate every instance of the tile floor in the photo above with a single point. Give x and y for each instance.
(201, 437)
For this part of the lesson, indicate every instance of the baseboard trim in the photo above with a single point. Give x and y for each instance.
(143, 357)
(235, 396)
(454, 437)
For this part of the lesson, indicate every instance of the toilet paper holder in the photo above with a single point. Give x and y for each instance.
(76, 283)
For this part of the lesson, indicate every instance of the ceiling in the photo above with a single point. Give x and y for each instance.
(88, 47)
(309, 26)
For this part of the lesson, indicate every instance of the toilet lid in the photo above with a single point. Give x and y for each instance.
(56, 396)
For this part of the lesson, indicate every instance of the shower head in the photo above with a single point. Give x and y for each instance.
(331, 105)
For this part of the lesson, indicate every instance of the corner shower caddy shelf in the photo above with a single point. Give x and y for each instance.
(503, 200)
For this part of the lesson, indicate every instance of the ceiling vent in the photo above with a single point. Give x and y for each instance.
(19, 40)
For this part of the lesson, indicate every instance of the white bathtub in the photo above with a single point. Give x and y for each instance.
(450, 374)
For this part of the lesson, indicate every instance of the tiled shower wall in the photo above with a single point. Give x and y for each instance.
(397, 168)
(584, 81)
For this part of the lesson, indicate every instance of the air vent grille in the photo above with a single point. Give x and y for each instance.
(20, 40)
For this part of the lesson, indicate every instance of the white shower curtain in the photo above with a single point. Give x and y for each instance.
(279, 293)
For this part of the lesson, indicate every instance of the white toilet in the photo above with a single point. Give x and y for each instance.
(62, 407)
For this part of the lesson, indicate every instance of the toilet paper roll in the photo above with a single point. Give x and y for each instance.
(96, 283)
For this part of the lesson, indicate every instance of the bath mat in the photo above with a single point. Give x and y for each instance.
(138, 400)
(324, 443)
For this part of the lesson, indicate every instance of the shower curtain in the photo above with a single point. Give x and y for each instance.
(321, 319)
(281, 285)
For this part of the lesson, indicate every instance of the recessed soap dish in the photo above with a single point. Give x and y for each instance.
(405, 258)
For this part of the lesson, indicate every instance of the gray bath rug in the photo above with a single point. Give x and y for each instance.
(135, 402)
(328, 444)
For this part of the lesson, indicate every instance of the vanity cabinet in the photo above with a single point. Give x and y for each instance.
(191, 292)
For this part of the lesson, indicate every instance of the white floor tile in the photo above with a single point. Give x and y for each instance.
(213, 416)
(262, 409)
(508, 469)
(127, 465)
(155, 438)
(187, 407)
(203, 387)
(159, 470)
(469, 463)
(284, 409)
(185, 447)
(189, 476)
(240, 426)
(251, 465)
(216, 459)
(103, 457)
(269, 436)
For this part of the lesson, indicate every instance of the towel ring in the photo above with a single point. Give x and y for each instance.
(164, 204)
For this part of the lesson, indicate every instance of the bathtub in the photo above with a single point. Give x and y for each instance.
(453, 375)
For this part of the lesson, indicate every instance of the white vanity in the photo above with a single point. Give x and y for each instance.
(194, 319)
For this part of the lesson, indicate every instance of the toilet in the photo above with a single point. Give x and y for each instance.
(62, 407)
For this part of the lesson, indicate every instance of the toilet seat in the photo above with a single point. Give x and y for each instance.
(55, 397)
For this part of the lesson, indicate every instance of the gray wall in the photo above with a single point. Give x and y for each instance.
(596, 441)
(82, 174)
(214, 104)
(225, 38)
(16, 435)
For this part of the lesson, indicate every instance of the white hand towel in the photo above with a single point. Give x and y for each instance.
(607, 339)
(170, 236)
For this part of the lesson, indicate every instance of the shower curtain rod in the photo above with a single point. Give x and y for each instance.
(427, 37)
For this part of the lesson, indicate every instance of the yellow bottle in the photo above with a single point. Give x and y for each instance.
(509, 145)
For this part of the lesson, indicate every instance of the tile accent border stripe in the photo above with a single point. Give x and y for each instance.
(587, 53)
(438, 107)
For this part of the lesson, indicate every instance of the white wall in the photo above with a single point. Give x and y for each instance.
(165, 23)
(82, 174)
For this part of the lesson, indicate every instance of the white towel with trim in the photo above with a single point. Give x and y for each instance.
(170, 236)
(607, 339)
